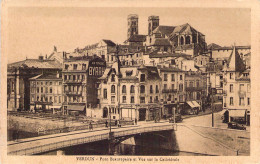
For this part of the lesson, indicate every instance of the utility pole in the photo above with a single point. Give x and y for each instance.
(212, 107)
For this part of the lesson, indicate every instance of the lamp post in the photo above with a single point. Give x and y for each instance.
(109, 120)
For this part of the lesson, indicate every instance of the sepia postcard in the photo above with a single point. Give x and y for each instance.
(130, 81)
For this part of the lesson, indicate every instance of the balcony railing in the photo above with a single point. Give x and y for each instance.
(74, 81)
(73, 92)
(169, 90)
(195, 88)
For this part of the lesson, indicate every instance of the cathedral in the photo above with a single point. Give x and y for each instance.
(174, 39)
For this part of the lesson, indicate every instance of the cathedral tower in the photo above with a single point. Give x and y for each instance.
(153, 22)
(132, 29)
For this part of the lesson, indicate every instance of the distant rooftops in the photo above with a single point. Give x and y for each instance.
(47, 77)
(36, 63)
(159, 54)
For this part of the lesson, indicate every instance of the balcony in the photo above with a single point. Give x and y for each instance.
(169, 90)
(77, 93)
(79, 81)
(191, 89)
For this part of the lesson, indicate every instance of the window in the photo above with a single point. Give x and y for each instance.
(231, 88)
(142, 99)
(172, 86)
(66, 66)
(112, 99)
(180, 87)
(50, 99)
(132, 89)
(113, 89)
(231, 101)
(50, 89)
(59, 99)
(113, 78)
(142, 88)
(124, 89)
(157, 89)
(132, 99)
(248, 101)
(75, 66)
(181, 98)
(46, 89)
(55, 99)
(38, 90)
(124, 99)
(180, 77)
(41, 89)
(156, 99)
(50, 83)
(165, 86)
(165, 77)
(105, 93)
(191, 84)
(231, 76)
(74, 77)
(151, 99)
(142, 77)
(84, 66)
(151, 89)
(241, 101)
(198, 83)
(173, 77)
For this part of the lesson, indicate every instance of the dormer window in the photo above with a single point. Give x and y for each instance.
(113, 78)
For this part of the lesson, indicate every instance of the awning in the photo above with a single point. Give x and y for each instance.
(193, 104)
(237, 113)
(55, 106)
(75, 107)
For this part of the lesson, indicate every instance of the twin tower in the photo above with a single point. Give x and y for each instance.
(132, 19)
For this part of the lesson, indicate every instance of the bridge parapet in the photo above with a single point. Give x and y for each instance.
(77, 140)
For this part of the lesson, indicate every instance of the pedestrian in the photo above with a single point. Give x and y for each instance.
(119, 125)
(90, 126)
(106, 124)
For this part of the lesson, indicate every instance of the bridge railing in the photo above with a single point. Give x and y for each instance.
(144, 129)
(58, 145)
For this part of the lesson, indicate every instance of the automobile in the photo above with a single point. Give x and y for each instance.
(177, 118)
(235, 125)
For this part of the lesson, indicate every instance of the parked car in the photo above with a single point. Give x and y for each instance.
(177, 118)
(235, 125)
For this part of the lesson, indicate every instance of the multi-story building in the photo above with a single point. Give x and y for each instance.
(80, 83)
(18, 85)
(237, 89)
(173, 91)
(46, 92)
(129, 92)
(195, 87)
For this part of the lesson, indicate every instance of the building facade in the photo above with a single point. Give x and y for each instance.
(46, 93)
(18, 84)
(130, 92)
(80, 83)
(173, 90)
(237, 89)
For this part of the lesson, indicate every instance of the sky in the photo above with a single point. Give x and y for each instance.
(33, 31)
